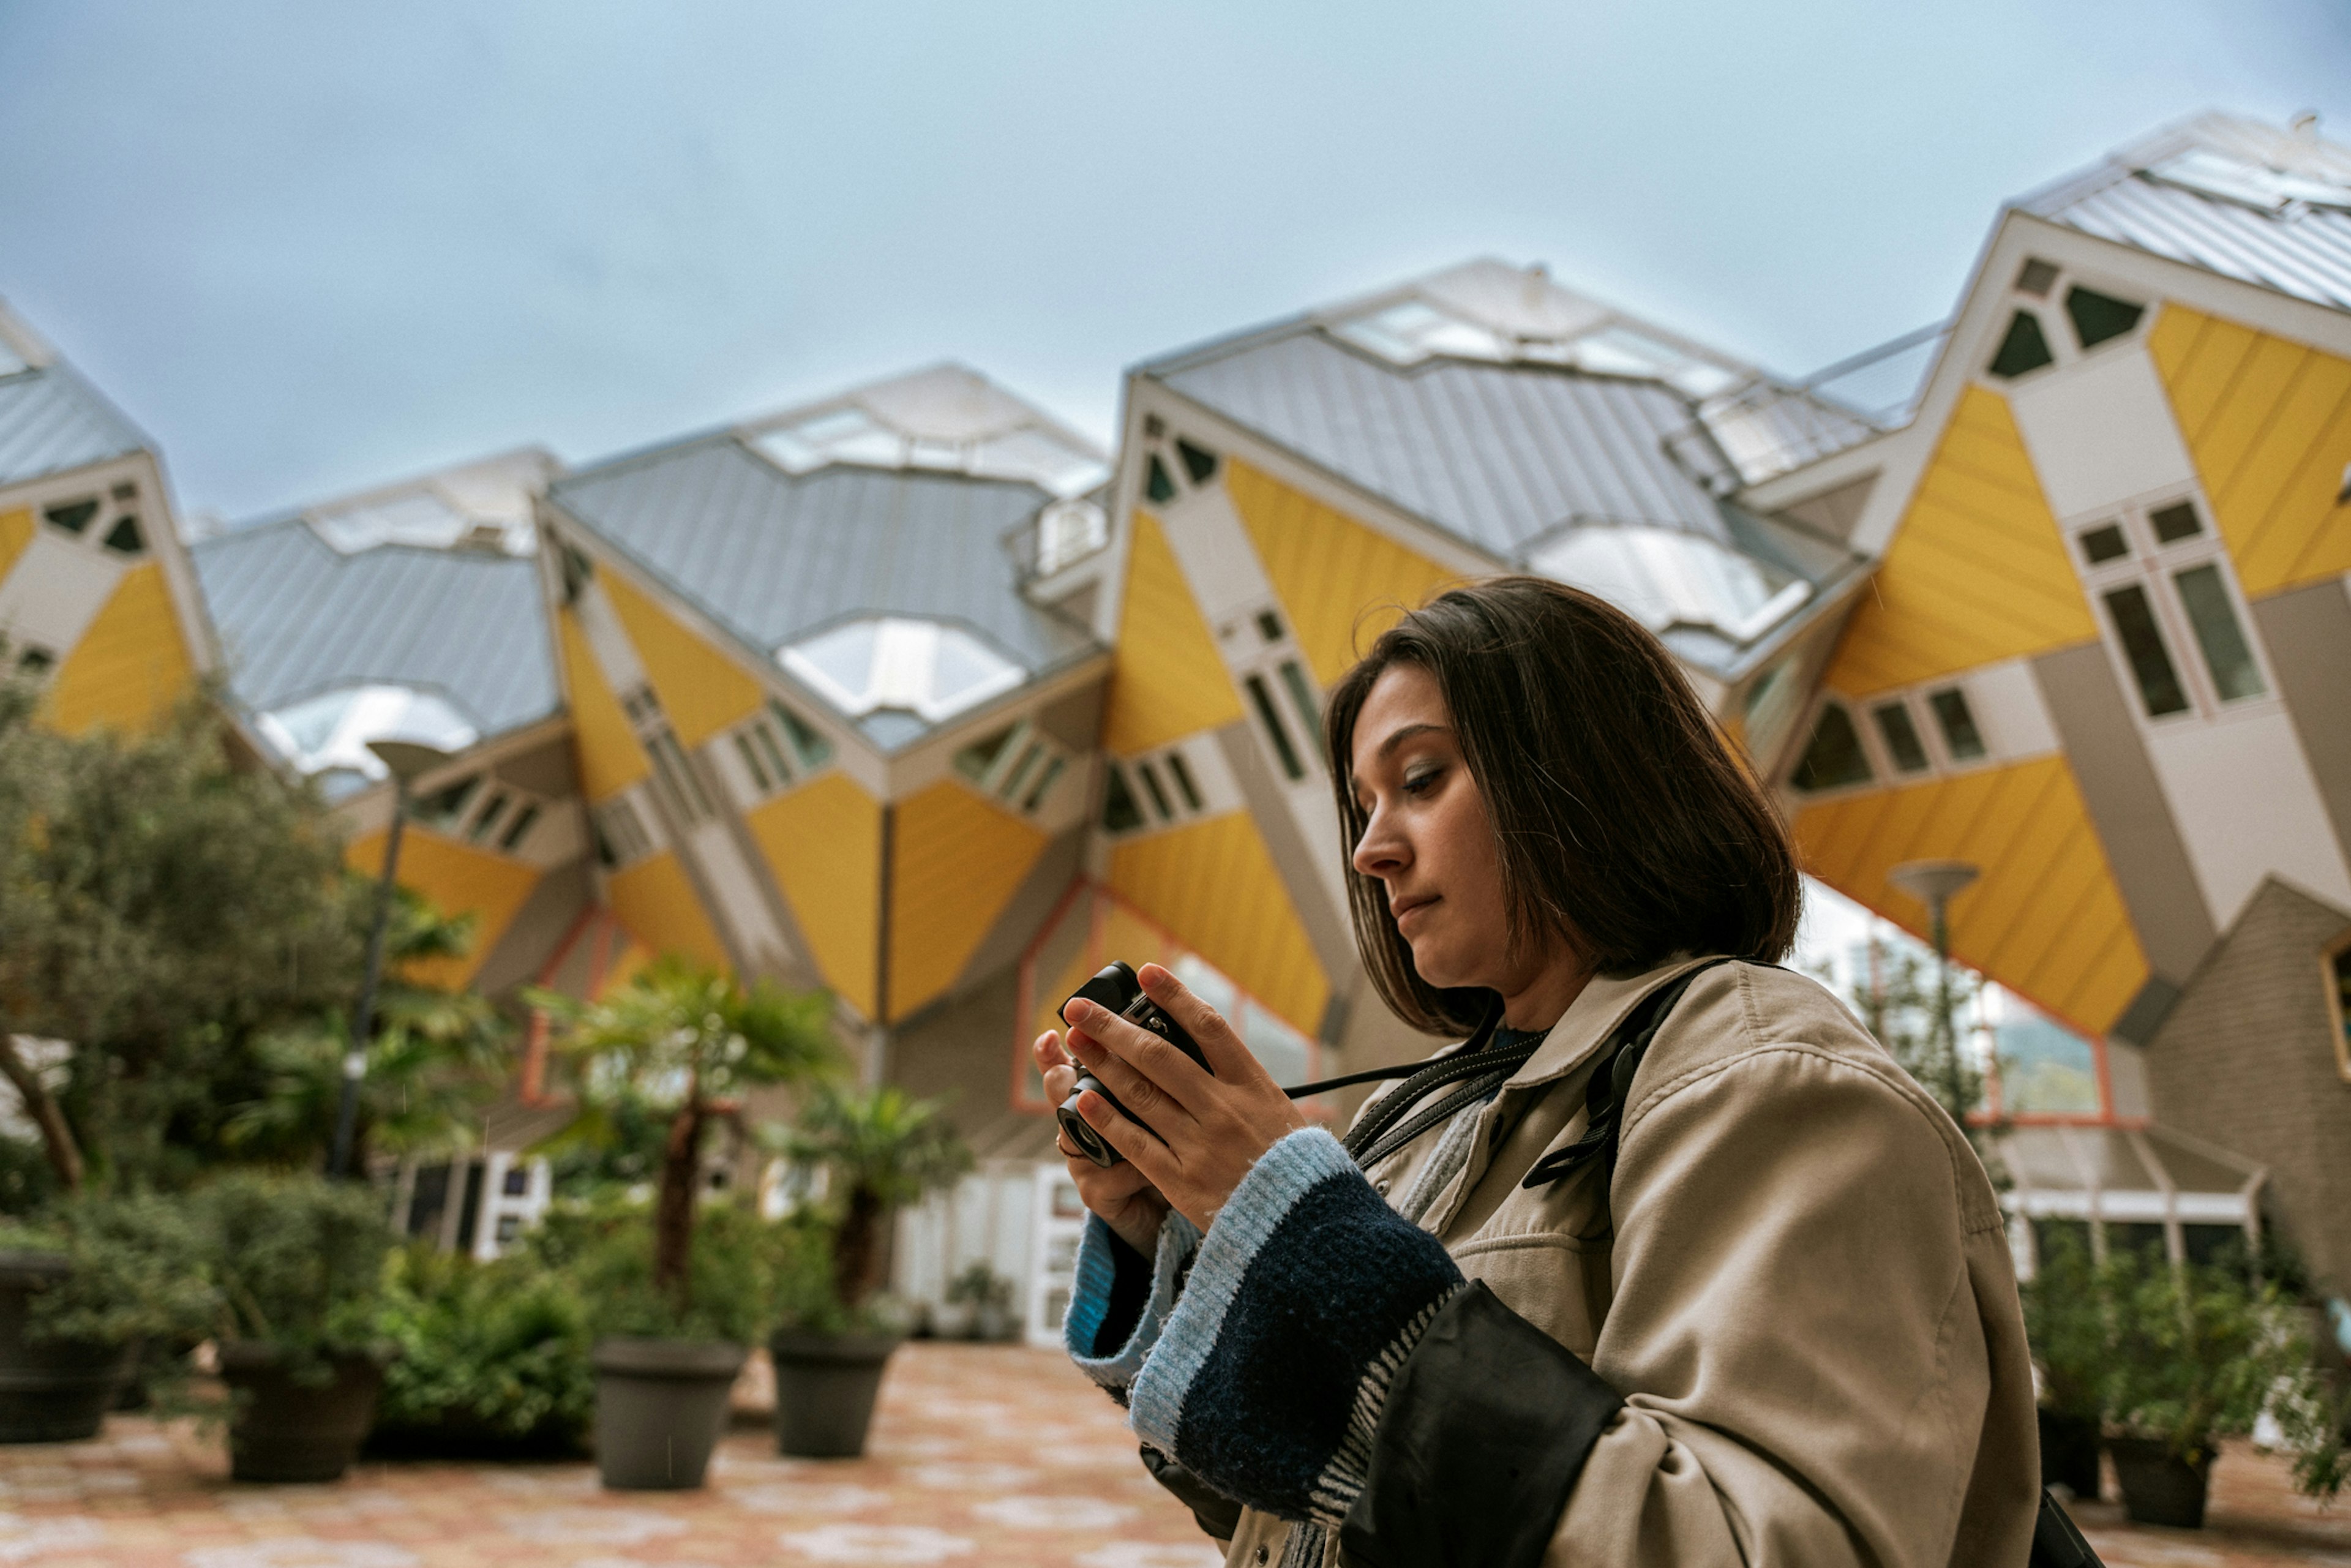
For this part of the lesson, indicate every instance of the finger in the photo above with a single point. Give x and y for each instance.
(1228, 1059)
(1059, 1081)
(1047, 1048)
(1135, 1090)
(1181, 1079)
(1147, 1155)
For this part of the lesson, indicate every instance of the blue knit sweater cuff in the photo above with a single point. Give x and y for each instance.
(1308, 1294)
(1102, 1329)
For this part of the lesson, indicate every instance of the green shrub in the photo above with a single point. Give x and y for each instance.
(138, 1271)
(606, 1251)
(487, 1355)
(2067, 1324)
(298, 1263)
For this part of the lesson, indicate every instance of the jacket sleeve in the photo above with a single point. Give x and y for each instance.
(1794, 1330)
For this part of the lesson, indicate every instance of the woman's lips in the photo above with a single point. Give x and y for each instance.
(1410, 907)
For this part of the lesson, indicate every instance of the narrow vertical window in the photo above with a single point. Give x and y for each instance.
(766, 740)
(2227, 654)
(752, 765)
(1961, 738)
(518, 828)
(1901, 738)
(2150, 664)
(1156, 485)
(1833, 756)
(1181, 771)
(1301, 696)
(1120, 813)
(1283, 748)
(1150, 777)
(1044, 785)
(1020, 774)
(488, 818)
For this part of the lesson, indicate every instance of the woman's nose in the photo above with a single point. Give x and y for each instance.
(1379, 852)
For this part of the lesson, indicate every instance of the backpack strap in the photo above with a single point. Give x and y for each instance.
(1611, 1084)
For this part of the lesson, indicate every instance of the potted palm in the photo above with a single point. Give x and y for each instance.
(870, 1153)
(297, 1265)
(687, 1040)
(2194, 1354)
(2065, 1324)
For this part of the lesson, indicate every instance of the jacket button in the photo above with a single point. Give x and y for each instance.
(1380, 1186)
(1260, 1553)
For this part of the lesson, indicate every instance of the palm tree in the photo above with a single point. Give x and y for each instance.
(684, 1038)
(880, 1150)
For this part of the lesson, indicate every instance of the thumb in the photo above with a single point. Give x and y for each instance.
(1221, 1043)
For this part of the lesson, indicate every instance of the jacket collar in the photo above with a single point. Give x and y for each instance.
(1589, 1020)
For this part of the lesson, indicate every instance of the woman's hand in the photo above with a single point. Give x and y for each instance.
(1211, 1129)
(1121, 1195)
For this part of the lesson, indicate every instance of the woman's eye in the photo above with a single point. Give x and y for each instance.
(1419, 783)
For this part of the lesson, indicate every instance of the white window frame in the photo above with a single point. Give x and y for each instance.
(2153, 567)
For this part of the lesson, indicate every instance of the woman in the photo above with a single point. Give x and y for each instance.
(1762, 1315)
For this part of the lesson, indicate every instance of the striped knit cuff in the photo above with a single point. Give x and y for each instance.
(1099, 1290)
(1308, 1294)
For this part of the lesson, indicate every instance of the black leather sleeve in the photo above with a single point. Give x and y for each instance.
(1487, 1427)
(1217, 1515)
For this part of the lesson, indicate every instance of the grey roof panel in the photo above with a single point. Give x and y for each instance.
(1496, 454)
(774, 557)
(297, 618)
(51, 421)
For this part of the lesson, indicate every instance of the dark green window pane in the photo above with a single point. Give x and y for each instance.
(1268, 625)
(2225, 654)
(35, 661)
(1834, 758)
(1301, 696)
(1030, 757)
(489, 817)
(2150, 665)
(813, 748)
(1961, 737)
(2099, 317)
(2024, 349)
(751, 763)
(1181, 771)
(2106, 542)
(974, 760)
(1198, 461)
(1156, 484)
(1044, 785)
(2178, 522)
(2035, 276)
(72, 516)
(1150, 777)
(124, 536)
(1120, 813)
(1902, 742)
(1283, 748)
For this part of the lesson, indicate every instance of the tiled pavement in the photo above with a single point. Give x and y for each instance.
(981, 1455)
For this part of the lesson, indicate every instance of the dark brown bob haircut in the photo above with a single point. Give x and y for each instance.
(1626, 824)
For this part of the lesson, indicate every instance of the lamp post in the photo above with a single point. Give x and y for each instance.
(407, 761)
(1935, 883)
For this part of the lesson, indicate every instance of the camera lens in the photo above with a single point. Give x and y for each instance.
(1087, 1142)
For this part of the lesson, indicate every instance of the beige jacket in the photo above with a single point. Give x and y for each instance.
(1807, 1301)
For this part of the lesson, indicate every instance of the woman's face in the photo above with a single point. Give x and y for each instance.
(1428, 841)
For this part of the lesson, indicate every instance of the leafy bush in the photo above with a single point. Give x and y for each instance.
(606, 1251)
(487, 1355)
(875, 1151)
(297, 1261)
(138, 1271)
(2066, 1320)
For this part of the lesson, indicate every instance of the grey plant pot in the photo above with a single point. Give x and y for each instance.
(825, 1389)
(660, 1407)
(285, 1429)
(51, 1391)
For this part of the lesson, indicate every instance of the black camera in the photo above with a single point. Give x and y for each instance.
(1115, 987)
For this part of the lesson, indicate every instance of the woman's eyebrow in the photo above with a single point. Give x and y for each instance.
(1397, 738)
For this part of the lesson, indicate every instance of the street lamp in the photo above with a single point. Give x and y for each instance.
(407, 761)
(1935, 883)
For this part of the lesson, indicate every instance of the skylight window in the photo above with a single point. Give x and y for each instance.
(419, 517)
(328, 734)
(947, 419)
(923, 667)
(1663, 577)
(1416, 329)
(2257, 185)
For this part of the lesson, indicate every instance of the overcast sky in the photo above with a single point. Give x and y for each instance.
(309, 247)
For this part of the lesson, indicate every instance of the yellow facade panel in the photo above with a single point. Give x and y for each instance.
(656, 900)
(955, 861)
(702, 689)
(822, 843)
(15, 533)
(132, 664)
(2046, 919)
(1213, 885)
(457, 880)
(2268, 422)
(610, 758)
(1168, 680)
(1342, 583)
(1976, 572)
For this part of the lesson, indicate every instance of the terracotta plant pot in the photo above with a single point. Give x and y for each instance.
(2159, 1486)
(2069, 1453)
(285, 1429)
(51, 1391)
(660, 1407)
(825, 1389)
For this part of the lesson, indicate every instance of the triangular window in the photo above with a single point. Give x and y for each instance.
(1198, 461)
(124, 536)
(1834, 757)
(2099, 317)
(2024, 349)
(1156, 485)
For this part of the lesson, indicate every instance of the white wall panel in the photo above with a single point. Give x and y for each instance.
(2101, 432)
(2246, 807)
(55, 591)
